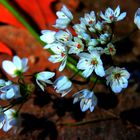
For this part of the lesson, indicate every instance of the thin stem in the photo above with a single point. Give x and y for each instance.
(94, 84)
(74, 75)
(88, 121)
(20, 107)
(9, 107)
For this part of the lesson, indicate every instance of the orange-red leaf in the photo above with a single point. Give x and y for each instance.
(5, 49)
(8, 18)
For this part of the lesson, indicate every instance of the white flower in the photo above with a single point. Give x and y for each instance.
(89, 62)
(48, 37)
(60, 55)
(4, 83)
(97, 49)
(80, 28)
(137, 18)
(43, 77)
(63, 36)
(93, 42)
(90, 19)
(76, 46)
(104, 38)
(15, 68)
(62, 85)
(10, 92)
(99, 26)
(110, 49)
(117, 78)
(87, 99)
(113, 16)
(2, 118)
(64, 18)
(10, 119)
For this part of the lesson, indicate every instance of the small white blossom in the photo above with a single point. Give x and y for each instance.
(113, 16)
(4, 83)
(10, 119)
(80, 28)
(76, 46)
(137, 18)
(16, 67)
(60, 55)
(63, 36)
(110, 49)
(43, 77)
(2, 118)
(10, 92)
(90, 19)
(117, 78)
(87, 99)
(93, 42)
(48, 37)
(64, 18)
(99, 26)
(89, 62)
(97, 49)
(104, 38)
(62, 85)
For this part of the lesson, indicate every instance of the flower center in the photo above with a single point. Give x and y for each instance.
(111, 17)
(62, 54)
(110, 49)
(90, 22)
(94, 62)
(78, 46)
(117, 75)
(18, 72)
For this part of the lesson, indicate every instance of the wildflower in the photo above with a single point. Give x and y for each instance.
(89, 62)
(43, 77)
(110, 49)
(117, 78)
(62, 85)
(4, 83)
(64, 18)
(2, 117)
(60, 55)
(80, 28)
(11, 91)
(137, 18)
(76, 46)
(15, 68)
(48, 37)
(11, 119)
(87, 99)
(93, 42)
(90, 19)
(99, 26)
(113, 16)
(104, 38)
(63, 36)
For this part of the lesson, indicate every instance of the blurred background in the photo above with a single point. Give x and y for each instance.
(47, 117)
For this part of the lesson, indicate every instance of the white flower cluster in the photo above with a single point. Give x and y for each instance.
(94, 39)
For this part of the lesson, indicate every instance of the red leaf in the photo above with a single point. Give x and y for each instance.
(5, 49)
(39, 10)
(7, 17)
